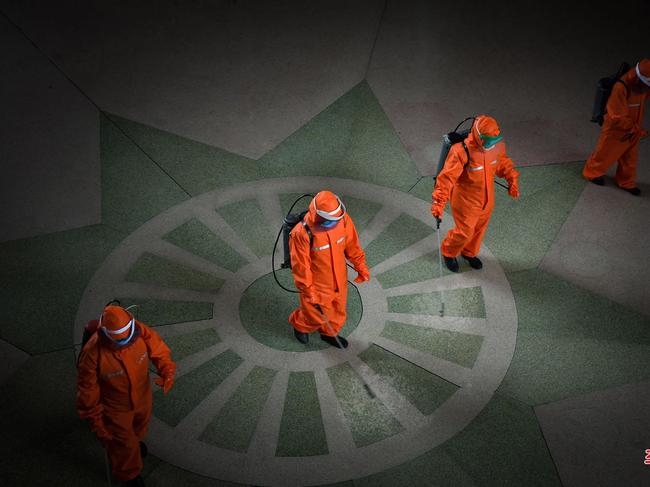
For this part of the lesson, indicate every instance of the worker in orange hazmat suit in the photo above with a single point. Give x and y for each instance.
(114, 389)
(319, 247)
(622, 130)
(470, 185)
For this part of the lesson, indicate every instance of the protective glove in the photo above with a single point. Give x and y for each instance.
(166, 382)
(627, 137)
(513, 190)
(437, 209)
(363, 275)
(103, 435)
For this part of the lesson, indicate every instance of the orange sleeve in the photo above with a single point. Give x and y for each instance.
(451, 171)
(300, 259)
(618, 115)
(506, 169)
(353, 250)
(159, 353)
(88, 401)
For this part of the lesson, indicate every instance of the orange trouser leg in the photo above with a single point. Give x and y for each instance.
(626, 170)
(128, 428)
(307, 319)
(473, 245)
(608, 150)
(458, 237)
(336, 314)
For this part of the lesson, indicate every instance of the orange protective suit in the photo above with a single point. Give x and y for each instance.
(320, 270)
(622, 130)
(114, 389)
(470, 185)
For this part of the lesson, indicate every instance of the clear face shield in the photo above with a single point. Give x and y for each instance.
(489, 142)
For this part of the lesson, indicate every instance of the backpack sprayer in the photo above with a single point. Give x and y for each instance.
(603, 90)
(289, 222)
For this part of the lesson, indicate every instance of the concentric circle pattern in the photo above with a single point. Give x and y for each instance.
(250, 406)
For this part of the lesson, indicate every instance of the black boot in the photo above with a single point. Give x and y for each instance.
(301, 337)
(451, 263)
(633, 191)
(600, 181)
(144, 451)
(474, 262)
(332, 341)
(136, 482)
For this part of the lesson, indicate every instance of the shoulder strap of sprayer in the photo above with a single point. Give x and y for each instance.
(308, 230)
(466, 152)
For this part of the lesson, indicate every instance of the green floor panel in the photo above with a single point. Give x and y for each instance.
(43, 280)
(554, 307)
(167, 475)
(155, 312)
(288, 199)
(456, 347)
(400, 234)
(571, 341)
(265, 308)
(546, 369)
(466, 302)
(198, 239)
(420, 269)
(522, 231)
(234, 426)
(368, 419)
(190, 389)
(45, 442)
(195, 166)
(152, 269)
(247, 219)
(504, 446)
(302, 433)
(352, 138)
(433, 469)
(361, 211)
(424, 390)
(134, 188)
(423, 189)
(188, 344)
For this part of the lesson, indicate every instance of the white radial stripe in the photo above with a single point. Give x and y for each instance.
(399, 406)
(384, 217)
(339, 437)
(259, 465)
(472, 326)
(454, 373)
(211, 219)
(175, 329)
(176, 254)
(265, 439)
(272, 210)
(198, 419)
(425, 246)
(148, 291)
(188, 364)
(445, 283)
